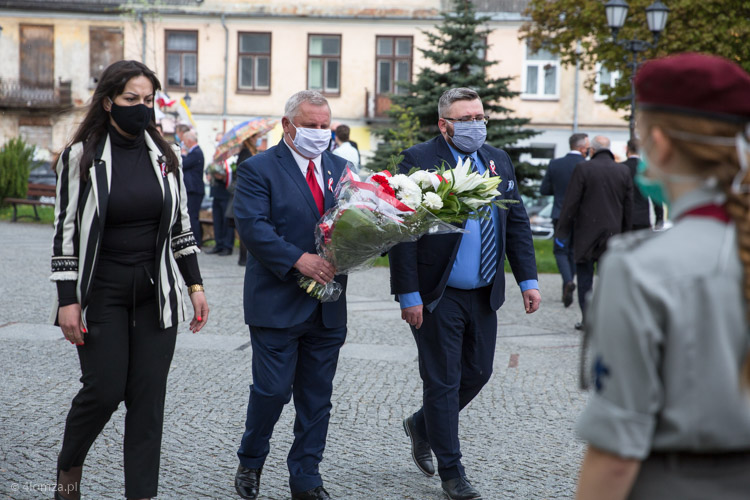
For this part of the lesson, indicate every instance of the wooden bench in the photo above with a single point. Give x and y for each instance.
(35, 191)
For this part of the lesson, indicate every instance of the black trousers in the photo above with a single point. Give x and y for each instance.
(194, 207)
(585, 272)
(125, 357)
(456, 345)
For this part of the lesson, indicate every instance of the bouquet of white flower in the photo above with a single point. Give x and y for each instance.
(372, 216)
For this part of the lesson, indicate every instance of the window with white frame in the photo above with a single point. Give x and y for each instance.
(541, 75)
(324, 63)
(604, 77)
(254, 56)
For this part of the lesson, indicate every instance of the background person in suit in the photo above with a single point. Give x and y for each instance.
(221, 179)
(641, 212)
(281, 194)
(555, 182)
(598, 204)
(192, 168)
(450, 287)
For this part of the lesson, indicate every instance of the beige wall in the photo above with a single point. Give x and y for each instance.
(289, 61)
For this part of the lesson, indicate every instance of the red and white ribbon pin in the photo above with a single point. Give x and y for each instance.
(330, 184)
(492, 167)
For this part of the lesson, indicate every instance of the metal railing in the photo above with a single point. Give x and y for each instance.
(17, 94)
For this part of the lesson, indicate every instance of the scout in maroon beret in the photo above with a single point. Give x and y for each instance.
(667, 324)
(695, 84)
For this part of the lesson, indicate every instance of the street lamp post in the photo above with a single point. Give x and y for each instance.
(656, 16)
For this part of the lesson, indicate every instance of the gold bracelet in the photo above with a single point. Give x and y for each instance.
(195, 288)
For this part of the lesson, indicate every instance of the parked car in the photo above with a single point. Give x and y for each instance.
(541, 223)
(539, 211)
(42, 173)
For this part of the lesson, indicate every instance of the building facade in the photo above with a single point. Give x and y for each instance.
(234, 59)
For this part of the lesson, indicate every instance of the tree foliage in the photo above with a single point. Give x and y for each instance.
(15, 164)
(456, 52)
(720, 27)
(403, 133)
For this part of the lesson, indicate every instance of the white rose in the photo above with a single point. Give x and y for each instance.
(412, 200)
(432, 201)
(425, 179)
(397, 181)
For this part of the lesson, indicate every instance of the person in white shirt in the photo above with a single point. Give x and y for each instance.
(344, 148)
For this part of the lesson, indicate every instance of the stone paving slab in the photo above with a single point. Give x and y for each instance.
(517, 435)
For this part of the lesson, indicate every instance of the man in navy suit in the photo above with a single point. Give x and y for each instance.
(450, 287)
(192, 168)
(281, 193)
(555, 182)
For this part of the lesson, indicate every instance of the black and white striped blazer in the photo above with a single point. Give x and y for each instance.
(80, 215)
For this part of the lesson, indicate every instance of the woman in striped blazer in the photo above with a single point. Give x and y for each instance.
(122, 255)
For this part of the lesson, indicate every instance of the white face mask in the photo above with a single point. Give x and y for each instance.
(311, 142)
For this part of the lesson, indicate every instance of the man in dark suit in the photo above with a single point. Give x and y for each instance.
(223, 231)
(450, 287)
(281, 193)
(598, 204)
(192, 169)
(555, 183)
(641, 212)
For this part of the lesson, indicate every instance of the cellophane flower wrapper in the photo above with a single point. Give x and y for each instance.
(366, 222)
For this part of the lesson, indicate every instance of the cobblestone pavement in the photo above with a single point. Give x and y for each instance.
(517, 435)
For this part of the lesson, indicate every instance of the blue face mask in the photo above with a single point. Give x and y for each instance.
(650, 188)
(469, 136)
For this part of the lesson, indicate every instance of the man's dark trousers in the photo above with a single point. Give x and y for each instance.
(456, 345)
(223, 231)
(563, 252)
(194, 201)
(301, 362)
(585, 271)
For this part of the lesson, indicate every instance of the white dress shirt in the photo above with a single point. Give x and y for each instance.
(303, 162)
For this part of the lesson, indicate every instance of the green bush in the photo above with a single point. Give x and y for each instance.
(15, 164)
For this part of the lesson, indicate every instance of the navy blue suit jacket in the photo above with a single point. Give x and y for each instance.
(426, 264)
(276, 216)
(557, 178)
(192, 170)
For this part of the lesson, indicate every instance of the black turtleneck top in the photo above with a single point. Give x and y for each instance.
(133, 214)
(135, 203)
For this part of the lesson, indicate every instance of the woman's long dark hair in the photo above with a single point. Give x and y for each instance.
(94, 126)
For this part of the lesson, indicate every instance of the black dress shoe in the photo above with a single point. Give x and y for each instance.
(224, 252)
(213, 250)
(247, 482)
(568, 290)
(460, 489)
(420, 448)
(318, 493)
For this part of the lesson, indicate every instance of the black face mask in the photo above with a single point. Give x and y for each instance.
(132, 119)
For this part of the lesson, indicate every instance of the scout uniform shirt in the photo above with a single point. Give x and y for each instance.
(669, 337)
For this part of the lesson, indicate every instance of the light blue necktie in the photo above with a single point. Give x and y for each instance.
(488, 248)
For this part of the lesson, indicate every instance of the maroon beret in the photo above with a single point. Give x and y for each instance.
(695, 84)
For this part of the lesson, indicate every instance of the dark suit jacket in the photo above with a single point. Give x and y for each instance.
(640, 203)
(555, 182)
(425, 265)
(276, 216)
(598, 204)
(192, 168)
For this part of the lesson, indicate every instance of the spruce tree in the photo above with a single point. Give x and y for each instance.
(455, 52)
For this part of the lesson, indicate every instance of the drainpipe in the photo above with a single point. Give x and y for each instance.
(226, 71)
(143, 36)
(575, 89)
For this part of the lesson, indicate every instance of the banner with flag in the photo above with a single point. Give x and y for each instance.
(163, 100)
(183, 111)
